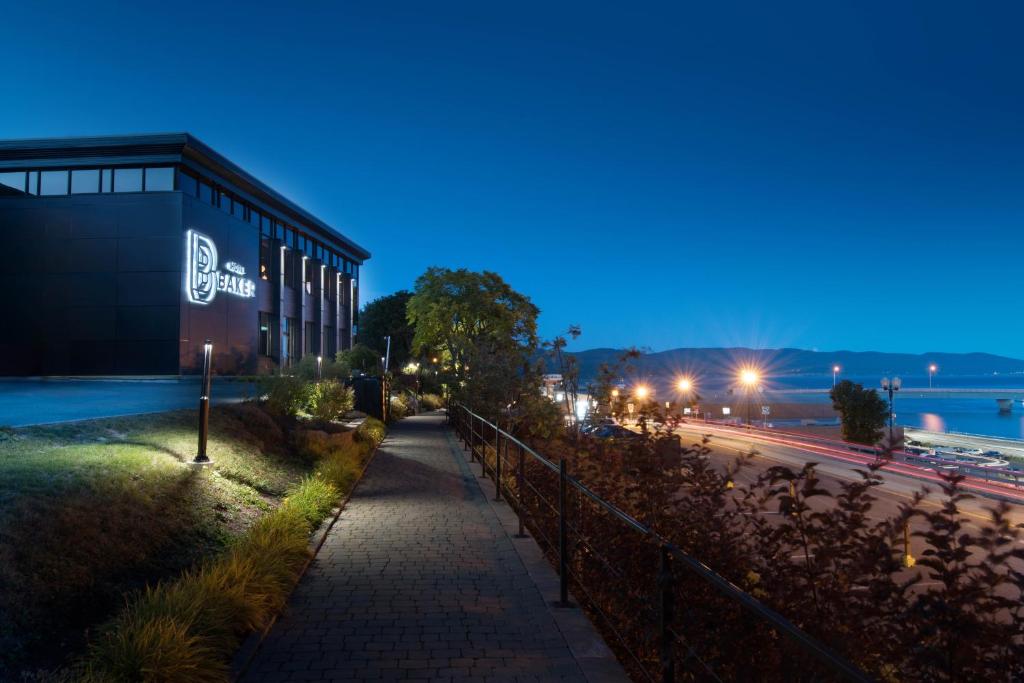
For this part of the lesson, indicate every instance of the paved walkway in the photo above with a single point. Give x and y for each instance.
(417, 580)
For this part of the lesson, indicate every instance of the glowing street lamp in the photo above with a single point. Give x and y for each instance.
(319, 368)
(835, 373)
(204, 404)
(684, 384)
(932, 369)
(749, 377)
(641, 391)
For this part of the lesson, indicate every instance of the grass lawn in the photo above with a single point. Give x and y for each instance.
(92, 511)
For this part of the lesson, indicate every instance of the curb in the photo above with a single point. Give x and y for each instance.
(251, 645)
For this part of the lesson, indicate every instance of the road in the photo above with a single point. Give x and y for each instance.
(967, 441)
(835, 466)
(34, 402)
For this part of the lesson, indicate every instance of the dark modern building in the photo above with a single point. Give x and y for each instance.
(124, 254)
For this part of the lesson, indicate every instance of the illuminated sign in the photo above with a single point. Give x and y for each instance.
(204, 280)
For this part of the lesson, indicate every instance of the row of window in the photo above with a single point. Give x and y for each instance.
(269, 226)
(90, 180)
(289, 342)
(165, 179)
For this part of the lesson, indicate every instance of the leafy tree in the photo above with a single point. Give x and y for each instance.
(383, 317)
(483, 332)
(360, 358)
(863, 412)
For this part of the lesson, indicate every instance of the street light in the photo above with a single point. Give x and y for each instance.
(204, 404)
(684, 384)
(749, 377)
(641, 391)
(931, 373)
(835, 373)
(891, 387)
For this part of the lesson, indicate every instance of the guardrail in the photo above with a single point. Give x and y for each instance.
(657, 605)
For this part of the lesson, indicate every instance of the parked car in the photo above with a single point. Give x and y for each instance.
(613, 431)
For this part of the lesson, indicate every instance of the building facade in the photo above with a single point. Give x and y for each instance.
(124, 254)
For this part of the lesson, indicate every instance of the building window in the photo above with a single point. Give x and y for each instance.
(266, 347)
(238, 210)
(107, 180)
(224, 201)
(127, 180)
(289, 341)
(205, 192)
(188, 184)
(53, 182)
(159, 179)
(330, 341)
(307, 275)
(308, 347)
(15, 181)
(85, 181)
(264, 258)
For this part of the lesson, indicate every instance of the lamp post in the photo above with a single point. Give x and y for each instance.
(319, 368)
(931, 373)
(684, 385)
(749, 379)
(204, 404)
(891, 387)
(835, 373)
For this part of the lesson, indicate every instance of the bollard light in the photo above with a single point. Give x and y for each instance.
(204, 404)
(319, 368)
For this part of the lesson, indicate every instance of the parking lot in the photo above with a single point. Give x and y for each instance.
(46, 401)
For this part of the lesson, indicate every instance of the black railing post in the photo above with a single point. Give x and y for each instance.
(520, 487)
(668, 664)
(563, 541)
(497, 462)
(483, 451)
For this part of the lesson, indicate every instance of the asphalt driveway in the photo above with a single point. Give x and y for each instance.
(32, 402)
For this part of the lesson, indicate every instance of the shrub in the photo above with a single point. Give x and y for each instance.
(431, 402)
(329, 400)
(313, 497)
(399, 407)
(285, 394)
(371, 431)
(159, 649)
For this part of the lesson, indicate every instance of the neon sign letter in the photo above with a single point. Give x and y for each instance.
(203, 278)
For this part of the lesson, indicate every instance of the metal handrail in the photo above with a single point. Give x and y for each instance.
(824, 654)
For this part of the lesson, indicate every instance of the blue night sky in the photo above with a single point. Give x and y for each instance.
(823, 175)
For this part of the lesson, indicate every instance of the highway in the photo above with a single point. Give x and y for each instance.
(836, 465)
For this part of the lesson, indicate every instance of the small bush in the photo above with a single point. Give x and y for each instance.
(431, 402)
(161, 649)
(371, 431)
(399, 407)
(329, 400)
(285, 394)
(313, 497)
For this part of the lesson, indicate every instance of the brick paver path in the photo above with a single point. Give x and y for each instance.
(417, 580)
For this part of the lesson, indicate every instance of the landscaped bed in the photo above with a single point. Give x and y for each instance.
(92, 513)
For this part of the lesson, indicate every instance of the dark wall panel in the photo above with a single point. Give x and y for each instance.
(98, 281)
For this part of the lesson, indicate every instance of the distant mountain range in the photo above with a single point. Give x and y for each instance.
(724, 361)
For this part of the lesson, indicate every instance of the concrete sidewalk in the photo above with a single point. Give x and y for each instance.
(419, 580)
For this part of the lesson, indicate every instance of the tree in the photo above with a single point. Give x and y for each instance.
(383, 317)
(862, 411)
(360, 358)
(483, 332)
